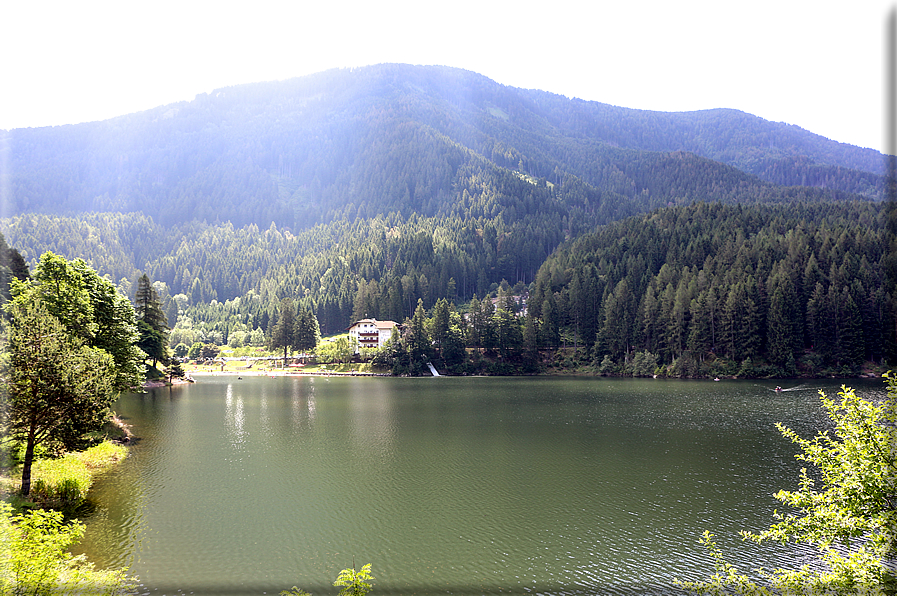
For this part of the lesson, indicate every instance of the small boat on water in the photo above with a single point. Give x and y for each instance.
(779, 389)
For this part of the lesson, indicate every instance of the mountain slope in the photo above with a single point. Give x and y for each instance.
(363, 191)
(396, 138)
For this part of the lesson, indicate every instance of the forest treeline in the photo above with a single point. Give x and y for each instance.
(797, 287)
(364, 193)
(703, 290)
(708, 288)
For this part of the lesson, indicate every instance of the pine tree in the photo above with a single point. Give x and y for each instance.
(416, 338)
(57, 388)
(439, 328)
(152, 324)
(284, 333)
(549, 330)
(782, 322)
(308, 332)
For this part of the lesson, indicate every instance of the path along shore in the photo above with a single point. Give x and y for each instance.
(289, 373)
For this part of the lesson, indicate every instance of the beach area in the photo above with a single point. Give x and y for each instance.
(240, 368)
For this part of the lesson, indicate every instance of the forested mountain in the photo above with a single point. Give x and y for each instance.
(360, 192)
(363, 142)
(772, 283)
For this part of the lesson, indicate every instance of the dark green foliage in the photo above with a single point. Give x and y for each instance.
(152, 323)
(398, 166)
(416, 338)
(174, 370)
(738, 283)
(12, 266)
(364, 193)
(283, 334)
(56, 388)
(307, 331)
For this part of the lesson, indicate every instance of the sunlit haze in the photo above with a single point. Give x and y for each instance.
(816, 65)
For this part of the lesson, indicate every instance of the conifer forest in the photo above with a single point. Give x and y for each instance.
(507, 230)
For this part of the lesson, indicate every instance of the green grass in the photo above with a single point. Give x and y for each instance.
(63, 482)
(338, 367)
(103, 456)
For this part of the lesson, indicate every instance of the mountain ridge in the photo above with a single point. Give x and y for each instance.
(311, 149)
(363, 191)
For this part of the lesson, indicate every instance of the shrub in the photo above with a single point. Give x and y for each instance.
(63, 482)
(102, 456)
(353, 583)
(844, 508)
(34, 557)
(644, 364)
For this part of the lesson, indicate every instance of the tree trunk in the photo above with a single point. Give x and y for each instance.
(26, 464)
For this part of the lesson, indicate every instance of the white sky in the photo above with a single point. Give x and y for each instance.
(815, 63)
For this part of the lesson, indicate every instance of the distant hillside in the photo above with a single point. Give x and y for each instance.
(362, 191)
(800, 288)
(408, 139)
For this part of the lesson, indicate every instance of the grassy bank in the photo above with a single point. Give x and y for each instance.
(34, 533)
(59, 483)
(238, 367)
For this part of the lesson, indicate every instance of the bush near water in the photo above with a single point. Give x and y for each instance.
(62, 483)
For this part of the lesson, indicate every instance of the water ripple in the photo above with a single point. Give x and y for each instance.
(552, 486)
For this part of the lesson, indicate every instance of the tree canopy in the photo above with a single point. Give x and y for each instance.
(90, 308)
(71, 347)
(57, 388)
(152, 324)
(846, 507)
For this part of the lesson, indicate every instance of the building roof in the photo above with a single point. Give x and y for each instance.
(376, 323)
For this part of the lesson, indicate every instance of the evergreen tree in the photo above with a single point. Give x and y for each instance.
(417, 339)
(700, 336)
(441, 324)
(531, 336)
(56, 388)
(474, 330)
(152, 323)
(549, 330)
(782, 322)
(453, 352)
(619, 318)
(308, 332)
(508, 333)
(283, 334)
(850, 332)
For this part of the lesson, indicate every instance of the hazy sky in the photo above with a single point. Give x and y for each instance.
(816, 64)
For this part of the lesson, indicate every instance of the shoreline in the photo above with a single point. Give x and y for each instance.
(863, 375)
(260, 373)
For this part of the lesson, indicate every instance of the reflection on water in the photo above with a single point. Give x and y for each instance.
(234, 418)
(446, 485)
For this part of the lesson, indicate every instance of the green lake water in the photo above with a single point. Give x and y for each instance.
(446, 485)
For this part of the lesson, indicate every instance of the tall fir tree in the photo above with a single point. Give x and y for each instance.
(307, 332)
(284, 333)
(152, 324)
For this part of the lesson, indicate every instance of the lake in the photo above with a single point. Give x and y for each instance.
(446, 485)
